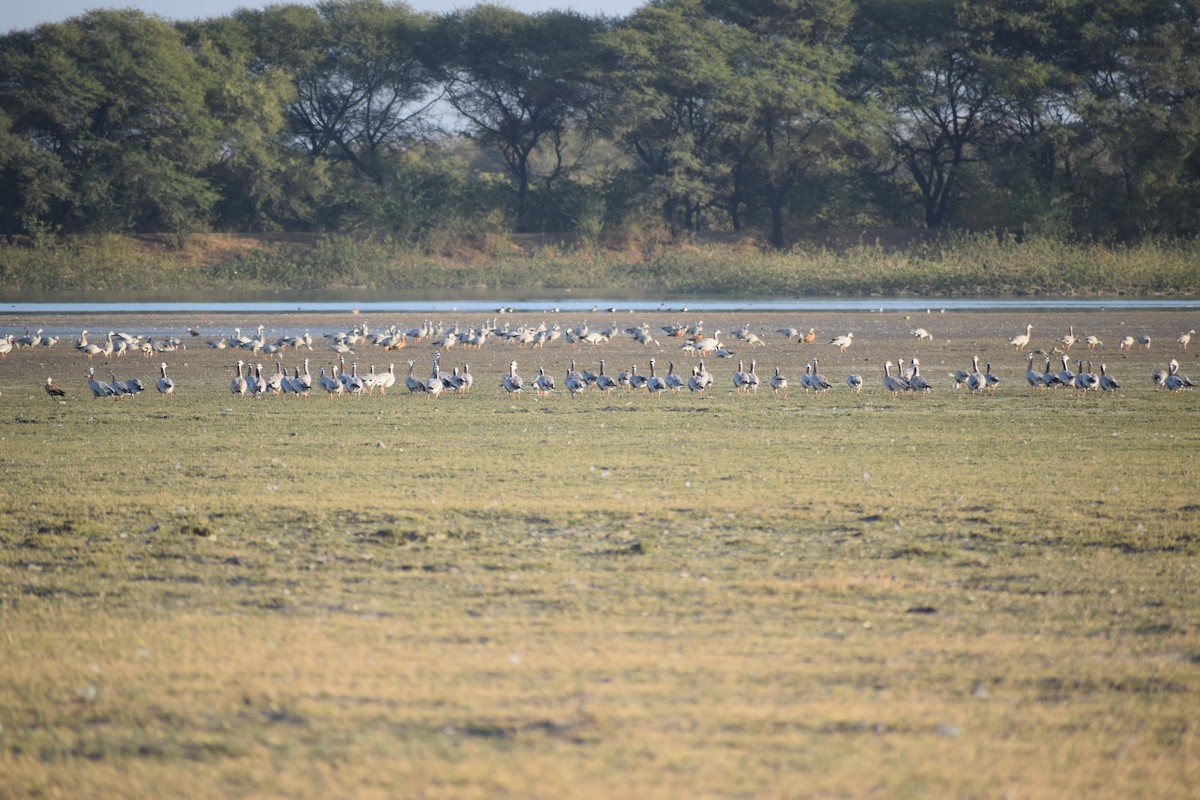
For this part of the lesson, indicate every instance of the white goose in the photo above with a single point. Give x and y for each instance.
(512, 382)
(543, 384)
(165, 386)
(818, 381)
(842, 342)
(1021, 340)
(778, 383)
(654, 384)
(238, 385)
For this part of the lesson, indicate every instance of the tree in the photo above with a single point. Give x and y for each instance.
(788, 117)
(363, 84)
(671, 62)
(113, 104)
(926, 70)
(517, 79)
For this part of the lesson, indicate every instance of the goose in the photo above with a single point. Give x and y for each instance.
(917, 382)
(976, 381)
(740, 379)
(990, 380)
(1107, 382)
(604, 382)
(1126, 343)
(299, 385)
(543, 384)
(258, 384)
(1159, 376)
(623, 378)
(468, 380)
(387, 380)
(752, 378)
(842, 342)
(134, 386)
(330, 384)
(238, 385)
(636, 381)
(52, 390)
(806, 381)
(30, 339)
(819, 384)
(960, 377)
(48, 341)
(922, 334)
(512, 382)
(1068, 340)
(305, 379)
(700, 379)
(411, 383)
(118, 388)
(891, 383)
(1176, 382)
(1083, 380)
(435, 386)
(778, 383)
(788, 333)
(574, 382)
(1049, 378)
(275, 382)
(654, 384)
(1186, 338)
(1065, 376)
(1035, 379)
(706, 344)
(1144, 341)
(165, 386)
(1092, 342)
(453, 381)
(855, 382)
(673, 381)
(1021, 340)
(87, 348)
(6, 345)
(97, 388)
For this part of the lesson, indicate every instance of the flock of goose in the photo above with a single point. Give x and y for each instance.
(252, 379)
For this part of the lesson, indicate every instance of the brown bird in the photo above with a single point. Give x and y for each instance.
(809, 337)
(52, 390)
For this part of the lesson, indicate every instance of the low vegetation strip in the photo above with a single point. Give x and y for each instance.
(953, 265)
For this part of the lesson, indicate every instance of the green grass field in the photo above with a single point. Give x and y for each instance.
(848, 596)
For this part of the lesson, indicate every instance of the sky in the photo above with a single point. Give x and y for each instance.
(22, 15)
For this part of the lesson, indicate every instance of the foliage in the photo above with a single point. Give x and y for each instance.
(363, 117)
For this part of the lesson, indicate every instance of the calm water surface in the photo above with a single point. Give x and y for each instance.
(343, 302)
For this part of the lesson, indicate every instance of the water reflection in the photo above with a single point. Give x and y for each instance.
(337, 303)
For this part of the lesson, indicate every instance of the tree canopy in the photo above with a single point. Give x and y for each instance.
(1073, 117)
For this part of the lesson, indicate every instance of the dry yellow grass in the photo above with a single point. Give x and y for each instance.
(614, 597)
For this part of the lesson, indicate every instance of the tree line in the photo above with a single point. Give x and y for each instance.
(1078, 119)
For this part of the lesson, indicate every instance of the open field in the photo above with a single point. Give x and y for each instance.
(611, 596)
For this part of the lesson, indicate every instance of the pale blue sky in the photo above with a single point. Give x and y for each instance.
(20, 15)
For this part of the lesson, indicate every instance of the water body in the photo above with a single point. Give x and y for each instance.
(341, 303)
